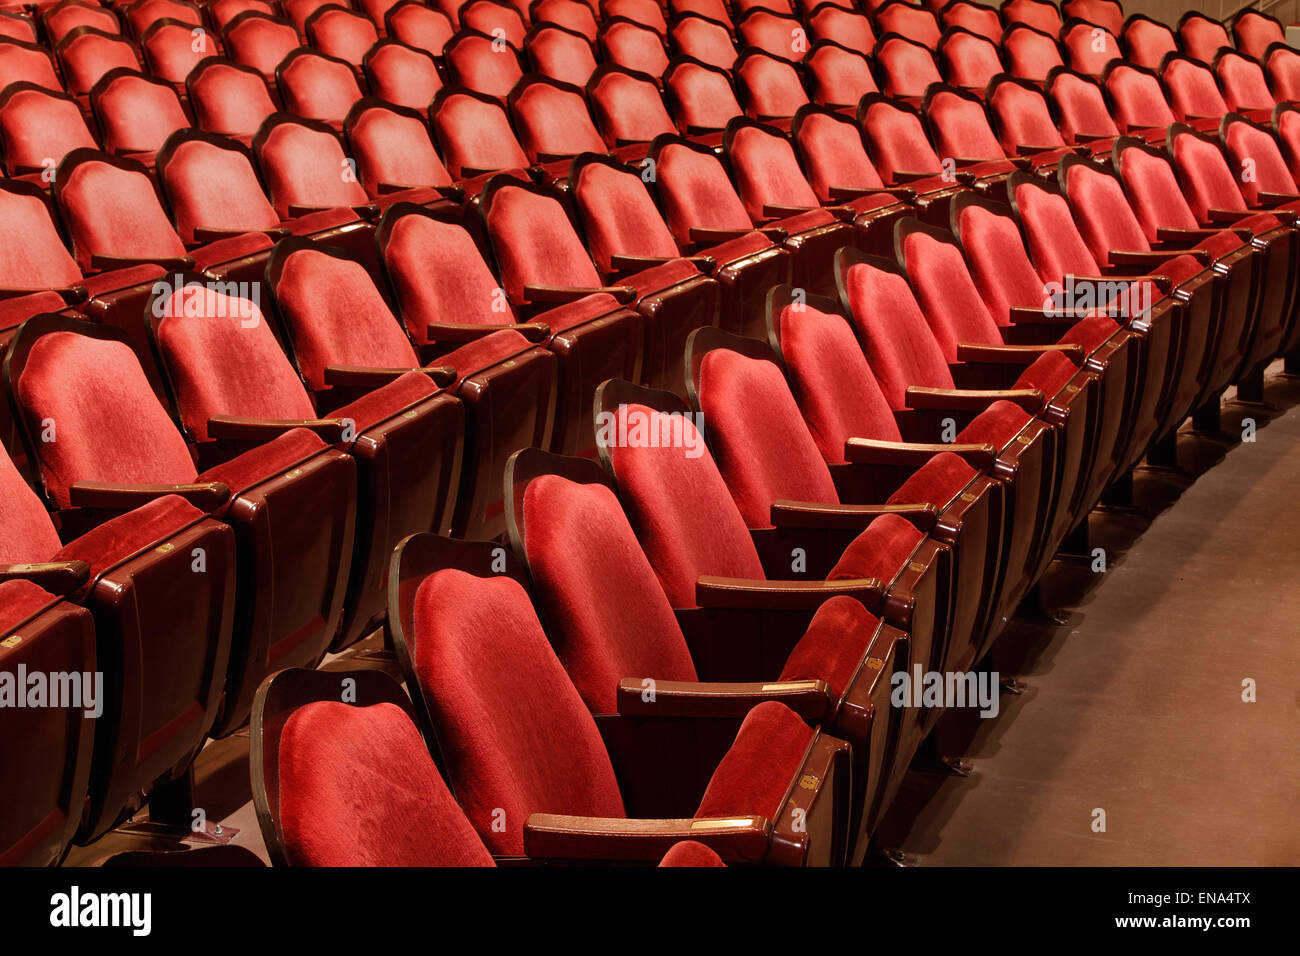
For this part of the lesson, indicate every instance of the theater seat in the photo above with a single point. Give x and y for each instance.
(161, 638)
(117, 449)
(404, 434)
(449, 607)
(228, 98)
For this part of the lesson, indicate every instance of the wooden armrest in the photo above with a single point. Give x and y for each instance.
(1024, 149)
(910, 176)
(57, 577)
(810, 699)
(203, 234)
(362, 377)
(1021, 314)
(454, 193)
(1276, 199)
(1170, 234)
(739, 838)
(762, 594)
(631, 264)
(869, 451)
(460, 332)
(1084, 139)
(71, 295)
(808, 514)
(845, 193)
(233, 428)
(775, 211)
(1013, 354)
(207, 495)
(774, 233)
(1159, 257)
(972, 399)
(710, 236)
(105, 263)
(1228, 215)
(1161, 282)
(560, 294)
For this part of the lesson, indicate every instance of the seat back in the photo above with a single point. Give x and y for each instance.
(1147, 42)
(534, 238)
(1242, 80)
(561, 54)
(619, 216)
(969, 61)
(496, 19)
(1282, 63)
(703, 39)
(210, 183)
(317, 86)
(890, 325)
(1054, 241)
(21, 61)
(135, 113)
(838, 76)
(475, 653)
(1137, 98)
(1080, 106)
(773, 33)
(770, 87)
(333, 312)
(228, 98)
(38, 127)
(1255, 32)
(959, 126)
(975, 17)
(1101, 210)
(172, 48)
(833, 154)
(1105, 13)
(828, 21)
(701, 96)
(1088, 46)
(1252, 147)
(765, 169)
(318, 753)
(35, 255)
(303, 165)
(1021, 115)
(259, 41)
(1202, 36)
(572, 15)
(907, 20)
(628, 106)
(474, 133)
(552, 119)
(1040, 14)
(339, 32)
(401, 74)
(994, 248)
(604, 609)
(633, 44)
(754, 429)
(1206, 179)
(391, 146)
(86, 54)
(476, 60)
(1152, 187)
(694, 189)
(62, 18)
(896, 138)
(419, 26)
(1030, 53)
(905, 67)
(111, 207)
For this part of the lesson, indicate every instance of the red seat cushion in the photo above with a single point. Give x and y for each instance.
(880, 551)
(834, 645)
(119, 538)
(756, 773)
(383, 403)
(937, 482)
(358, 788)
(996, 425)
(265, 461)
(1048, 374)
(690, 853)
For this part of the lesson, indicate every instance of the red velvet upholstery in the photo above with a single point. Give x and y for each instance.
(975, 17)
(756, 772)
(898, 141)
(489, 16)
(628, 109)
(937, 482)
(394, 148)
(908, 21)
(758, 438)
(608, 616)
(768, 31)
(1256, 32)
(1283, 66)
(38, 126)
(1148, 42)
(1137, 100)
(848, 405)
(1031, 54)
(1023, 118)
(336, 316)
(403, 75)
(708, 42)
(947, 294)
(114, 211)
(907, 68)
(999, 263)
(553, 121)
(35, 257)
(971, 61)
(835, 644)
(259, 41)
(1207, 182)
(767, 173)
(1202, 37)
(114, 541)
(619, 215)
(690, 853)
(1081, 108)
(842, 25)
(514, 733)
(635, 46)
(1104, 13)
(214, 188)
(228, 100)
(1193, 91)
(1243, 83)
(1154, 193)
(305, 167)
(833, 155)
(173, 49)
(358, 788)
(704, 98)
(894, 333)
(86, 54)
(838, 76)
(475, 135)
(346, 34)
(317, 87)
(1246, 142)
(1052, 236)
(679, 505)
(1039, 14)
(27, 534)
(772, 86)
(474, 62)
(26, 62)
(535, 243)
(561, 55)
(62, 19)
(419, 26)
(1089, 47)
(571, 14)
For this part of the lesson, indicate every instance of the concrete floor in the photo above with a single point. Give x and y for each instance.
(1133, 707)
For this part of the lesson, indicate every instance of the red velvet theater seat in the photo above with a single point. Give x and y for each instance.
(837, 75)
(552, 118)
(703, 39)
(777, 35)
(907, 20)
(1245, 88)
(701, 97)
(1108, 14)
(85, 54)
(495, 18)
(27, 62)
(1202, 36)
(1030, 53)
(39, 127)
(135, 114)
(1089, 47)
(335, 316)
(474, 134)
(706, 217)
(1137, 101)
(1039, 14)
(543, 263)
(161, 638)
(142, 14)
(473, 60)
(257, 40)
(394, 153)
(419, 26)
(770, 87)
(633, 44)
(44, 752)
(172, 48)
(1193, 91)
(648, 12)
(1081, 109)
(477, 659)
(572, 15)
(778, 477)
(228, 98)
(628, 106)
(627, 238)
(291, 501)
(969, 61)
(234, 388)
(317, 86)
(1146, 42)
(60, 18)
(562, 54)
(694, 537)
(220, 12)
(1254, 32)
(975, 17)
(401, 74)
(905, 67)
(830, 21)
(339, 32)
